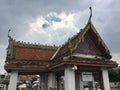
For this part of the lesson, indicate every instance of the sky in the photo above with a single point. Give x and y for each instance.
(52, 22)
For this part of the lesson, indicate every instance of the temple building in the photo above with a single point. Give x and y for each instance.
(82, 62)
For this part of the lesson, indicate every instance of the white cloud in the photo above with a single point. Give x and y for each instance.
(2, 71)
(57, 32)
(26, 20)
(2, 46)
(37, 25)
(2, 58)
(116, 57)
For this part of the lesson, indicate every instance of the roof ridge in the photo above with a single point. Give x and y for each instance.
(55, 54)
(28, 44)
(13, 42)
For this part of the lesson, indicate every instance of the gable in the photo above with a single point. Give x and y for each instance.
(88, 41)
(91, 43)
(88, 47)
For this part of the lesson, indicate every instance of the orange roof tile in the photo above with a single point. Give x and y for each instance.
(33, 54)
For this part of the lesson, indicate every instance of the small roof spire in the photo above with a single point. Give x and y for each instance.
(9, 37)
(9, 33)
(90, 15)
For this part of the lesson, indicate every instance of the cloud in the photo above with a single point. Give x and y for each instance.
(106, 19)
(53, 32)
(2, 58)
(17, 14)
(2, 71)
(53, 21)
(45, 25)
(53, 17)
(116, 57)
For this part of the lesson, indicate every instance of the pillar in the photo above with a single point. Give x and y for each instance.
(39, 88)
(100, 79)
(77, 84)
(69, 79)
(93, 82)
(81, 82)
(41, 82)
(105, 79)
(13, 80)
(44, 81)
(58, 81)
(51, 81)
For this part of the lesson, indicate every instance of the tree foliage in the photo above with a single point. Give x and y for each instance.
(114, 76)
(34, 78)
(6, 82)
(2, 76)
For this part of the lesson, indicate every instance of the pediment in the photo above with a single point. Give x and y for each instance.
(88, 47)
(90, 43)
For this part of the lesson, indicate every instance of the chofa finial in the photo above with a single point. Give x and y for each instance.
(90, 14)
(9, 34)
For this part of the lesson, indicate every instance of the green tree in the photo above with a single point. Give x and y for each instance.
(114, 76)
(2, 76)
(6, 82)
(34, 78)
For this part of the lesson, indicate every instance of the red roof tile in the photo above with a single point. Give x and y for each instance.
(33, 54)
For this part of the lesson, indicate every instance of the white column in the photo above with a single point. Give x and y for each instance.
(13, 80)
(51, 81)
(81, 82)
(105, 79)
(69, 79)
(93, 82)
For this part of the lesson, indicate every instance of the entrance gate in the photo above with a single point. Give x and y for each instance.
(79, 59)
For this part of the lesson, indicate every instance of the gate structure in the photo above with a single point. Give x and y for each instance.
(82, 62)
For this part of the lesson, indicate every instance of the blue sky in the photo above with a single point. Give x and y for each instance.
(54, 21)
(53, 17)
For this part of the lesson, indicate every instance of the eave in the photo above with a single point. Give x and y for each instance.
(26, 66)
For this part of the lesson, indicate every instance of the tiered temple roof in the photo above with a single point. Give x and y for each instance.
(26, 51)
(86, 49)
(88, 36)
